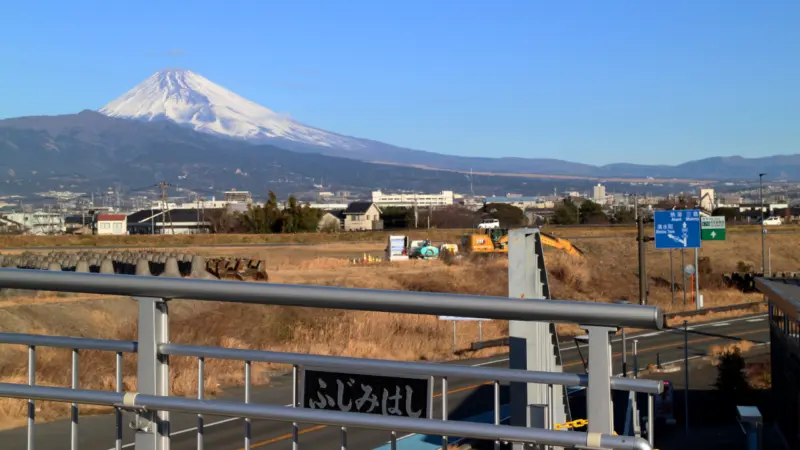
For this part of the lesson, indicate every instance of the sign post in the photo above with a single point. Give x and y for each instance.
(712, 228)
(679, 229)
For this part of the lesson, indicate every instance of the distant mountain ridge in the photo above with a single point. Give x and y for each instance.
(190, 100)
(91, 151)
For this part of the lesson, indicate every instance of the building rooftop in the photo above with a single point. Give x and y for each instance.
(511, 199)
(113, 217)
(358, 207)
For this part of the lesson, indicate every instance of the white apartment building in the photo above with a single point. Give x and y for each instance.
(707, 200)
(229, 198)
(599, 194)
(443, 198)
(37, 223)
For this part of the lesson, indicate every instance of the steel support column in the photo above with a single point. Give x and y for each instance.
(600, 409)
(152, 427)
(532, 345)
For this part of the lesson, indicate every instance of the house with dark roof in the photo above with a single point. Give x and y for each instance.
(171, 221)
(362, 216)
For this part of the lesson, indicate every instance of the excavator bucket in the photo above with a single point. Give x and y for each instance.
(243, 269)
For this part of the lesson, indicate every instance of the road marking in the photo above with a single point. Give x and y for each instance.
(475, 386)
(675, 361)
(187, 430)
(286, 436)
(676, 330)
(723, 324)
(496, 361)
(430, 441)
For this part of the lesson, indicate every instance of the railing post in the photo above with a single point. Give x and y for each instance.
(531, 344)
(600, 410)
(152, 427)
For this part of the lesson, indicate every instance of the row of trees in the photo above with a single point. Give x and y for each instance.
(296, 218)
(269, 218)
(570, 213)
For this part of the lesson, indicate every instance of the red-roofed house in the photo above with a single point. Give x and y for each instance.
(111, 224)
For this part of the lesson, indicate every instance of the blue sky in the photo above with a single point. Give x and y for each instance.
(592, 81)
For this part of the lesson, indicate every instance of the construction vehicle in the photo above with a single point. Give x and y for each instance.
(425, 251)
(496, 241)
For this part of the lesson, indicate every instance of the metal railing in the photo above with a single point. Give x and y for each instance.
(152, 404)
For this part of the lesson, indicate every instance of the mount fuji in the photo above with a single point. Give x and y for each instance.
(189, 99)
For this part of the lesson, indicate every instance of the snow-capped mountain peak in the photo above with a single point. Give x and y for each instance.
(187, 98)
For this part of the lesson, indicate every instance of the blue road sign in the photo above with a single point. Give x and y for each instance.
(677, 228)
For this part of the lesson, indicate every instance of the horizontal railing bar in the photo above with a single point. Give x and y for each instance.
(322, 417)
(68, 342)
(500, 308)
(379, 366)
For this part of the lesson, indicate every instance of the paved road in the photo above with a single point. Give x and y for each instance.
(465, 397)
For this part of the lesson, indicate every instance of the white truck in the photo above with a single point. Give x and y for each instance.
(489, 224)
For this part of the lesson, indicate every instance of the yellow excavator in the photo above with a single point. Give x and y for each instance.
(495, 240)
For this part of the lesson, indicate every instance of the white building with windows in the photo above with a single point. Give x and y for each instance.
(37, 223)
(599, 194)
(111, 224)
(707, 200)
(443, 198)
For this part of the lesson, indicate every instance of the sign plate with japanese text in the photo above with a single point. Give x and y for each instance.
(370, 394)
(712, 228)
(677, 229)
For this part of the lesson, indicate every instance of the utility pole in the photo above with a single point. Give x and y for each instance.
(471, 190)
(763, 230)
(635, 207)
(152, 219)
(416, 213)
(163, 185)
(642, 261)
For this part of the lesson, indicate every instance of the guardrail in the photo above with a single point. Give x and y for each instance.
(502, 342)
(152, 403)
(704, 311)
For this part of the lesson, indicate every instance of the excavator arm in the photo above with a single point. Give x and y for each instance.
(499, 240)
(556, 242)
(550, 241)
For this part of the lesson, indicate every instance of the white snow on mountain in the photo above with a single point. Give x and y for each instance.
(187, 98)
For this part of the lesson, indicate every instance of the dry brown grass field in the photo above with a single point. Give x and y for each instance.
(608, 271)
(11, 241)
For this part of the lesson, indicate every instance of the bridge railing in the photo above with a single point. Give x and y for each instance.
(152, 404)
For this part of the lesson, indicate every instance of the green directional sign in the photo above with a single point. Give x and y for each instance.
(712, 228)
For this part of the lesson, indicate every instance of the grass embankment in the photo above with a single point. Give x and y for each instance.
(451, 235)
(607, 272)
(217, 239)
